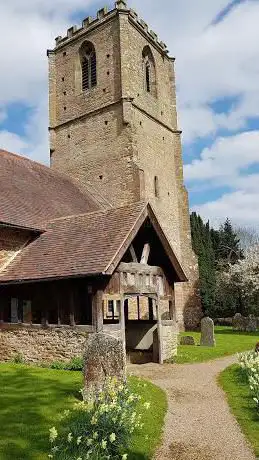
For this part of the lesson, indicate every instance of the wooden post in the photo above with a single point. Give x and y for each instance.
(159, 333)
(45, 317)
(133, 254)
(72, 308)
(98, 311)
(122, 322)
(145, 254)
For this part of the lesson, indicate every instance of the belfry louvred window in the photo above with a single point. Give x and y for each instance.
(88, 64)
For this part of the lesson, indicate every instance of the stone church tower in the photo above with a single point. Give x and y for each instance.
(113, 125)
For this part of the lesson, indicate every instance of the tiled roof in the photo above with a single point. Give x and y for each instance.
(32, 194)
(77, 246)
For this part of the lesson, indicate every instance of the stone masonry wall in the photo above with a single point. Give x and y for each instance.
(117, 137)
(169, 341)
(37, 344)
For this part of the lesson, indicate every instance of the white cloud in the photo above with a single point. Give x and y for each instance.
(226, 164)
(240, 206)
(12, 142)
(213, 61)
(226, 158)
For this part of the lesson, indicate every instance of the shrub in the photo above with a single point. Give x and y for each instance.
(18, 358)
(75, 364)
(100, 427)
(250, 363)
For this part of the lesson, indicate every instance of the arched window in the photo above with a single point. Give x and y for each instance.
(88, 66)
(156, 187)
(149, 70)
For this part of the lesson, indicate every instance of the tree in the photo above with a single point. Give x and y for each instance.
(247, 236)
(240, 282)
(202, 246)
(226, 245)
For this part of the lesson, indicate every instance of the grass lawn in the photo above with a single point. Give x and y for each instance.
(228, 342)
(31, 400)
(233, 382)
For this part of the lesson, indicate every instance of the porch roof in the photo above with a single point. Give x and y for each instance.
(85, 245)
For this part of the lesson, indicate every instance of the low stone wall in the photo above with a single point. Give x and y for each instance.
(38, 344)
(245, 324)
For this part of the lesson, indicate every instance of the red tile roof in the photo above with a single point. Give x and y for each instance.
(33, 194)
(77, 246)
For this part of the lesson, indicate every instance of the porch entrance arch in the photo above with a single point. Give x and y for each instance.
(142, 327)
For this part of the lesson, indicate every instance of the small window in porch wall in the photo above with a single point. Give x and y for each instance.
(131, 279)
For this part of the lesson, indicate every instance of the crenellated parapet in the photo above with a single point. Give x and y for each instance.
(105, 13)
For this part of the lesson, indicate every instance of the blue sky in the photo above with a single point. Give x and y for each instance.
(215, 43)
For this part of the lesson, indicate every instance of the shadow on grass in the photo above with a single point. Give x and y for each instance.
(31, 402)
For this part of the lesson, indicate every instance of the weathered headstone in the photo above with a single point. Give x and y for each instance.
(207, 332)
(251, 324)
(104, 357)
(187, 340)
(238, 322)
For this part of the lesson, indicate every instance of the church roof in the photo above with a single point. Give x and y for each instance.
(33, 194)
(84, 245)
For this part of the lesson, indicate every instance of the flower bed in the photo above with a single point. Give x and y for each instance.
(249, 362)
(100, 427)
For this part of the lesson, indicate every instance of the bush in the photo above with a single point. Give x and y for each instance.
(18, 359)
(250, 363)
(100, 427)
(75, 364)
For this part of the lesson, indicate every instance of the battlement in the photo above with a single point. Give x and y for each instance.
(105, 13)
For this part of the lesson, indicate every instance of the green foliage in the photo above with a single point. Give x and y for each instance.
(202, 245)
(234, 383)
(100, 427)
(33, 398)
(216, 249)
(18, 359)
(75, 364)
(228, 342)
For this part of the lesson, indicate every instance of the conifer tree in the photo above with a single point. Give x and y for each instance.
(202, 245)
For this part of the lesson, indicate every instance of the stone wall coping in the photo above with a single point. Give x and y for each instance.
(15, 326)
(102, 16)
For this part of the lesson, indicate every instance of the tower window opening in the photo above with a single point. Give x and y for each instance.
(148, 77)
(149, 70)
(156, 187)
(88, 65)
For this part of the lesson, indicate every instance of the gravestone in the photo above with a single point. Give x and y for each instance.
(207, 333)
(104, 357)
(187, 340)
(238, 322)
(251, 324)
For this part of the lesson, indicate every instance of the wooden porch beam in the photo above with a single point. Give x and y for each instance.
(98, 311)
(145, 254)
(133, 254)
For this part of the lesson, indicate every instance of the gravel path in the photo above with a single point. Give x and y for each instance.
(199, 425)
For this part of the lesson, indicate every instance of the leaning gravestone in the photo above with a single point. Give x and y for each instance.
(207, 333)
(187, 340)
(104, 357)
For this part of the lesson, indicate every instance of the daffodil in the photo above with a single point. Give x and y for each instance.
(53, 434)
